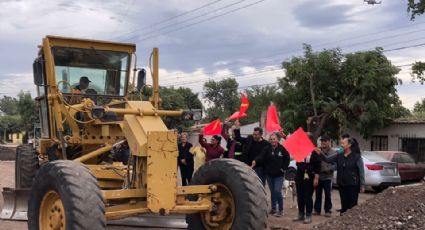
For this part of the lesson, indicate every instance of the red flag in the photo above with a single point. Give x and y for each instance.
(244, 104)
(299, 145)
(272, 120)
(237, 115)
(214, 128)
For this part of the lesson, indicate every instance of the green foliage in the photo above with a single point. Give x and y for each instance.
(415, 8)
(8, 105)
(174, 99)
(223, 97)
(19, 114)
(356, 90)
(419, 107)
(418, 71)
(259, 99)
(27, 111)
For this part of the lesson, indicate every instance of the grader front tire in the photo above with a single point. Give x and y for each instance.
(240, 189)
(65, 195)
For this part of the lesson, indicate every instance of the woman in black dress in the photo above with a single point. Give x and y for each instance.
(185, 159)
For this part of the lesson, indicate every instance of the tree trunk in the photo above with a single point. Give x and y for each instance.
(313, 100)
(323, 118)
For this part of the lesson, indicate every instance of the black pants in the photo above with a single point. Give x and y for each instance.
(304, 195)
(186, 172)
(324, 185)
(349, 196)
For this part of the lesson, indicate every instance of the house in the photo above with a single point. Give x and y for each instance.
(400, 135)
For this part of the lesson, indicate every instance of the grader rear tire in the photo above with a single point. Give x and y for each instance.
(65, 195)
(26, 166)
(244, 191)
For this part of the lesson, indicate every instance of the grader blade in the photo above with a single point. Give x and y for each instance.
(15, 204)
(151, 220)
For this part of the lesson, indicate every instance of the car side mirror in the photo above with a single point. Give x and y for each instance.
(141, 79)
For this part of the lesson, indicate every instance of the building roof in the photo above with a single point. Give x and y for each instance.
(408, 121)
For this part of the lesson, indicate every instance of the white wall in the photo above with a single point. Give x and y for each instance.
(394, 133)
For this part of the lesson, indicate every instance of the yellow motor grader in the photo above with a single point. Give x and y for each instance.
(101, 157)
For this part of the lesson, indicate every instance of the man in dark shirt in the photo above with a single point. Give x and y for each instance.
(325, 179)
(253, 145)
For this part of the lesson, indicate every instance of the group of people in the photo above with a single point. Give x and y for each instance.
(270, 160)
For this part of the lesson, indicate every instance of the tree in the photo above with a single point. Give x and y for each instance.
(10, 124)
(356, 90)
(419, 107)
(259, 100)
(418, 72)
(223, 97)
(415, 8)
(8, 105)
(174, 99)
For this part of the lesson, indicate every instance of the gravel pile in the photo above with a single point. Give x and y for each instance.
(395, 208)
(7, 153)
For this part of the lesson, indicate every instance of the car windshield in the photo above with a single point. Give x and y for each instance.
(373, 157)
(94, 71)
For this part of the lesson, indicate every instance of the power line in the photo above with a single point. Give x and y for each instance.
(405, 47)
(260, 71)
(125, 15)
(202, 21)
(329, 43)
(191, 19)
(171, 18)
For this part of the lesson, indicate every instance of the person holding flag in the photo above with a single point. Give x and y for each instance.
(253, 145)
(234, 148)
(302, 149)
(213, 149)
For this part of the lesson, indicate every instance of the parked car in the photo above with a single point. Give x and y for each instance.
(408, 168)
(380, 173)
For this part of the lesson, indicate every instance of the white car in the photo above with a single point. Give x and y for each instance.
(380, 173)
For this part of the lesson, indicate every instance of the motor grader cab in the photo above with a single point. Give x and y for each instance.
(100, 157)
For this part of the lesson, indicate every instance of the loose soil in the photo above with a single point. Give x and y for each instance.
(401, 207)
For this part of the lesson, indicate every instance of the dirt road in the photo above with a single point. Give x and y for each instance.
(7, 180)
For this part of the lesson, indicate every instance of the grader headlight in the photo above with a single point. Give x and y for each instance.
(192, 115)
(98, 112)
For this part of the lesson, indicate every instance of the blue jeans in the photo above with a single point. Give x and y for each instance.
(325, 185)
(261, 174)
(276, 185)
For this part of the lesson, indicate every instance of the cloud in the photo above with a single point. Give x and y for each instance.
(12, 84)
(247, 40)
(318, 14)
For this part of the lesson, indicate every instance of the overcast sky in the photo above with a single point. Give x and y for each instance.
(204, 39)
